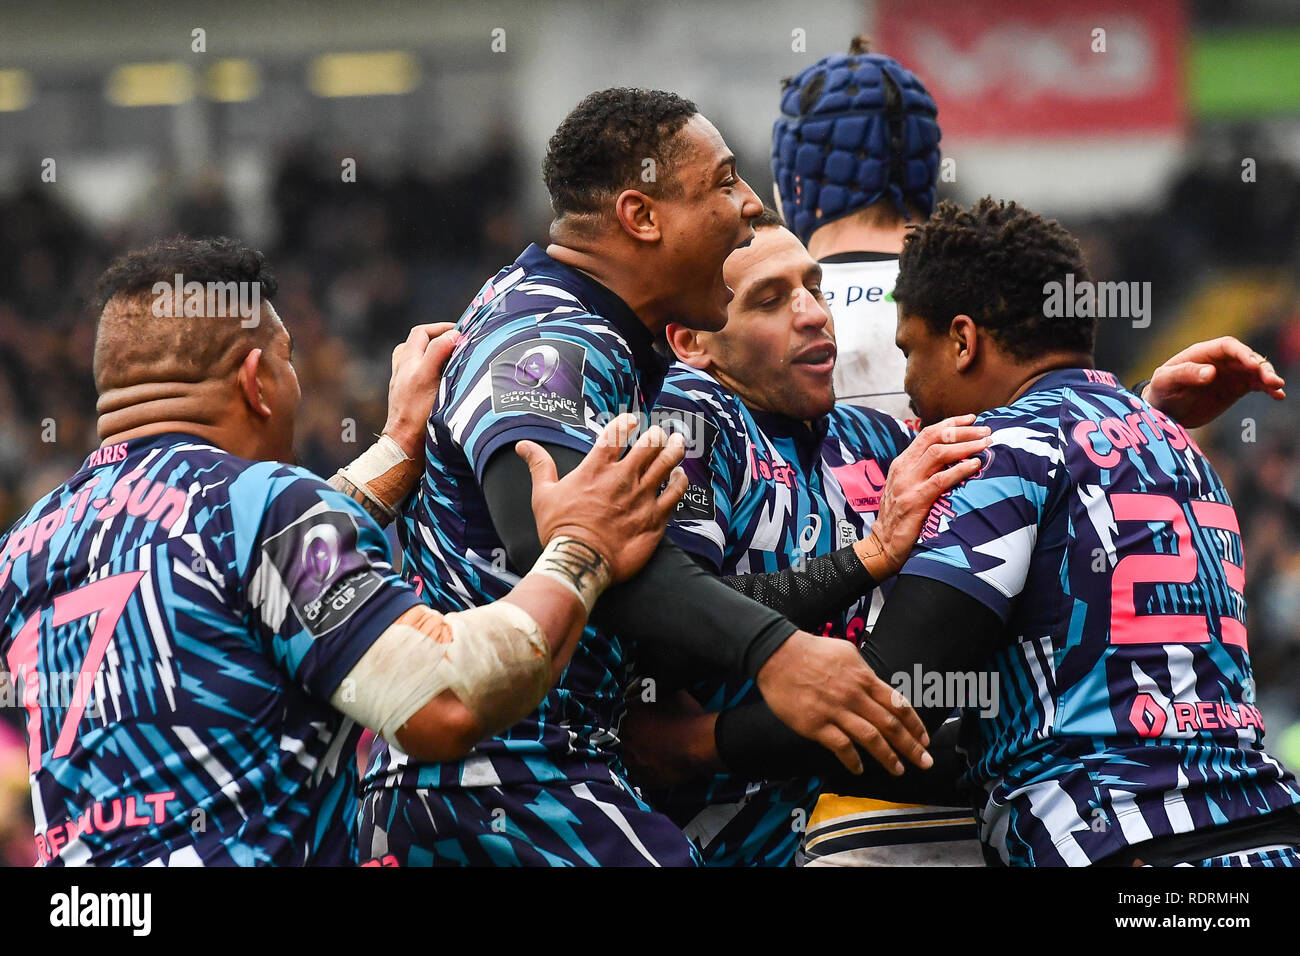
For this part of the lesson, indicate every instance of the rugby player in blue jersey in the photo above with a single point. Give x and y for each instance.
(785, 476)
(1094, 566)
(199, 630)
(648, 204)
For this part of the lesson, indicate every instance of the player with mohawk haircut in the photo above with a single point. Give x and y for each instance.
(198, 629)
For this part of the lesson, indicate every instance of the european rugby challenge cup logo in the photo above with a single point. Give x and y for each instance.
(537, 366)
(320, 554)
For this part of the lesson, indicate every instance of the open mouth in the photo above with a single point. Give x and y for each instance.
(819, 358)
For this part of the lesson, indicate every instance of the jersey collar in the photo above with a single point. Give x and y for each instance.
(806, 439)
(602, 301)
(118, 451)
(1065, 377)
(860, 257)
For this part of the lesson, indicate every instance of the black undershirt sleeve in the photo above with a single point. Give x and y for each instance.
(673, 607)
(924, 622)
(812, 595)
(820, 591)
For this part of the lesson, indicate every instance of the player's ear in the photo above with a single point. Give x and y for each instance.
(637, 215)
(249, 386)
(963, 337)
(688, 345)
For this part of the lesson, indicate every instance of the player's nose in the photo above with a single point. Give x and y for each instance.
(751, 207)
(809, 313)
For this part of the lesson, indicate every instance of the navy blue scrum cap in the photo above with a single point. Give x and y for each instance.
(855, 128)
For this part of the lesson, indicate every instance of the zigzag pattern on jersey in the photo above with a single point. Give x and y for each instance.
(1102, 740)
(762, 524)
(449, 542)
(195, 746)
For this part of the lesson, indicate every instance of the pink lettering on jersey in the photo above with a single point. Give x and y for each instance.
(152, 499)
(45, 529)
(158, 801)
(1215, 715)
(114, 821)
(1127, 432)
(934, 521)
(19, 543)
(108, 455)
(863, 483)
(56, 838)
(1080, 435)
(760, 467)
(1098, 377)
(134, 819)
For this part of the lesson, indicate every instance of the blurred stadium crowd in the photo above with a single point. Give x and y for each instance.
(359, 263)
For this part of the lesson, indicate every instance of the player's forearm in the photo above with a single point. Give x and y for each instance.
(689, 617)
(814, 594)
(681, 611)
(436, 684)
(379, 479)
(751, 742)
(558, 594)
(925, 625)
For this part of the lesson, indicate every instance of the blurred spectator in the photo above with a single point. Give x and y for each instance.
(16, 827)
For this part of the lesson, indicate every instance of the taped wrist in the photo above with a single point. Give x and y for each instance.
(577, 565)
(823, 589)
(500, 664)
(494, 658)
(379, 478)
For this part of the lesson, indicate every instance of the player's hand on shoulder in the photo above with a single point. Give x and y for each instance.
(1203, 381)
(615, 506)
(417, 372)
(938, 459)
(823, 689)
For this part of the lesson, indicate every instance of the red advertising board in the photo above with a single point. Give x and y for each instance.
(1017, 68)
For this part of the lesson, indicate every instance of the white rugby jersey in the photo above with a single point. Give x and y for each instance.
(859, 288)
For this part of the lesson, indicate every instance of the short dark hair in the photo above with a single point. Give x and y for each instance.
(133, 344)
(991, 262)
(219, 259)
(600, 148)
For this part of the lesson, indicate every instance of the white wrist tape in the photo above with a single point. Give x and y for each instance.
(400, 673)
(576, 565)
(497, 662)
(383, 474)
